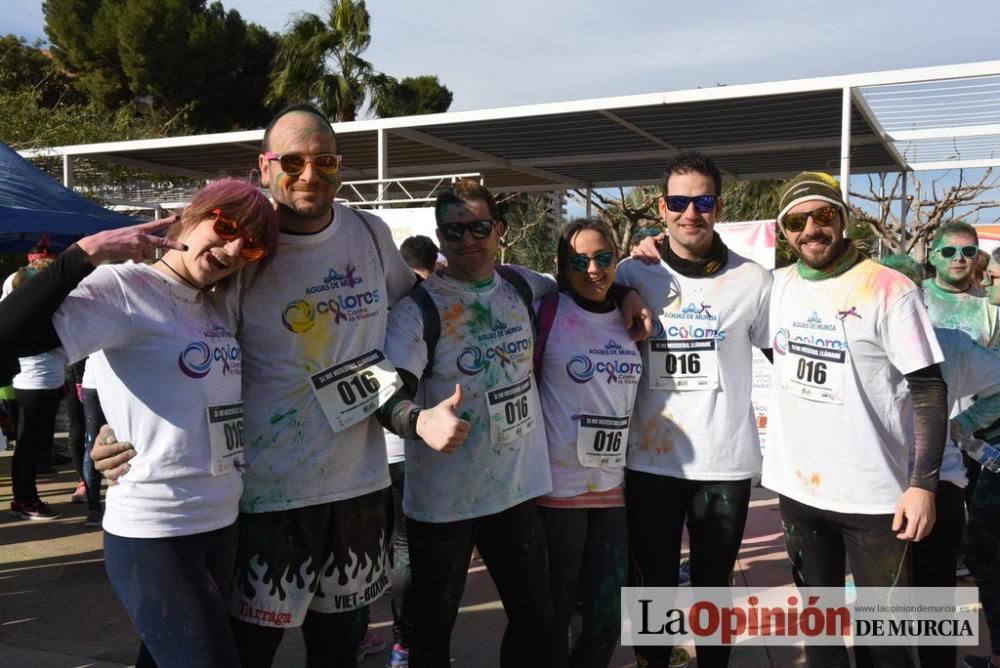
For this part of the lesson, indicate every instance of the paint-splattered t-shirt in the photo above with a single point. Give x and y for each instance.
(590, 372)
(167, 356)
(324, 299)
(486, 346)
(969, 311)
(693, 416)
(840, 415)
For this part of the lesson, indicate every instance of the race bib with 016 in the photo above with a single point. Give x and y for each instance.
(351, 391)
(225, 437)
(601, 441)
(814, 373)
(513, 410)
(683, 364)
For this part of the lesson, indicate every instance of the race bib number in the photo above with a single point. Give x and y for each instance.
(351, 391)
(814, 373)
(683, 364)
(601, 441)
(513, 410)
(225, 437)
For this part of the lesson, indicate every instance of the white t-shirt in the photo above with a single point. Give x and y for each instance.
(168, 355)
(590, 372)
(40, 372)
(485, 346)
(323, 300)
(395, 450)
(845, 343)
(698, 422)
(968, 369)
(969, 311)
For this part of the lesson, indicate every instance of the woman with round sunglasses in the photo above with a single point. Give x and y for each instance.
(588, 372)
(167, 368)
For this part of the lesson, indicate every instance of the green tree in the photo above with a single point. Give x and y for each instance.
(530, 236)
(415, 95)
(321, 60)
(166, 57)
(27, 67)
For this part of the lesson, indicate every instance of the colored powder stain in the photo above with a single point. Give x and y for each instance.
(452, 319)
(591, 487)
(278, 417)
(480, 317)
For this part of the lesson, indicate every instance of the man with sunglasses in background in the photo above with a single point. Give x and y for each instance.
(952, 300)
(856, 397)
(694, 449)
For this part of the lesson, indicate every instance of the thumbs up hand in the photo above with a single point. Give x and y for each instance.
(440, 428)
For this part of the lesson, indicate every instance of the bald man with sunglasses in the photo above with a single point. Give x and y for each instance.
(856, 392)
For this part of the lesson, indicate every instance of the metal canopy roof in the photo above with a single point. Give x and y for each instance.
(915, 119)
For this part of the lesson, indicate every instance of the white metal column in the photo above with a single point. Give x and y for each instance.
(845, 144)
(904, 209)
(383, 163)
(68, 171)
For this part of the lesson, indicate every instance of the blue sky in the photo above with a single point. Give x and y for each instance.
(493, 54)
(526, 51)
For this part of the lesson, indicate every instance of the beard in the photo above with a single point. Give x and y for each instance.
(825, 257)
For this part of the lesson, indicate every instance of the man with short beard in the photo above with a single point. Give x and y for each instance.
(856, 380)
(952, 300)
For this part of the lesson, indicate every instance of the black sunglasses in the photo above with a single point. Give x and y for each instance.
(968, 252)
(479, 229)
(702, 203)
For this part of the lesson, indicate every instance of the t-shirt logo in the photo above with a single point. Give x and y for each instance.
(198, 357)
(581, 368)
(300, 315)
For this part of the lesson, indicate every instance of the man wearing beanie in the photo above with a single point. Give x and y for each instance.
(856, 382)
(693, 449)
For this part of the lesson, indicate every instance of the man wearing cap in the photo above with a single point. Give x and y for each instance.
(856, 388)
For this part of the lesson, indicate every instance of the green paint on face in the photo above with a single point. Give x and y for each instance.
(953, 273)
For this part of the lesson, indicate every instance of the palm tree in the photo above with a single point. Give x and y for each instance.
(321, 61)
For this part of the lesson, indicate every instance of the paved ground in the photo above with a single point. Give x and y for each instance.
(58, 611)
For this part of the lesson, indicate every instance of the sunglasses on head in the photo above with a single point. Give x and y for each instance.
(796, 222)
(294, 163)
(968, 252)
(582, 262)
(479, 229)
(228, 228)
(702, 203)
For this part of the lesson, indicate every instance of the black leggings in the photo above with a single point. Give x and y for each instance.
(934, 560)
(982, 547)
(36, 428)
(818, 542)
(402, 626)
(512, 544)
(587, 554)
(716, 514)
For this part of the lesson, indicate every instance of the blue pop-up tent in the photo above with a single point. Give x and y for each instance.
(33, 204)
